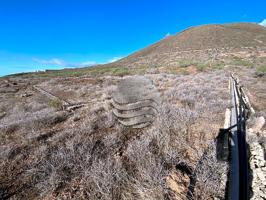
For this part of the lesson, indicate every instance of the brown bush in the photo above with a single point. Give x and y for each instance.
(88, 155)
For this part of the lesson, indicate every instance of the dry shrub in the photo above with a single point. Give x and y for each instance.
(40, 119)
(210, 175)
(104, 179)
(59, 165)
(90, 156)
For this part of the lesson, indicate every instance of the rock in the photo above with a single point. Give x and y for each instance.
(258, 124)
(25, 95)
(2, 115)
(257, 168)
(76, 118)
(261, 176)
(259, 157)
(263, 132)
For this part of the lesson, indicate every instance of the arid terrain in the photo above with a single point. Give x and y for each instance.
(59, 138)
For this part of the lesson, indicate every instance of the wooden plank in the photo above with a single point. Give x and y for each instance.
(50, 95)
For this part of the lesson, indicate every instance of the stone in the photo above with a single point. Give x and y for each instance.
(258, 124)
(261, 176)
(135, 102)
(25, 95)
(2, 115)
(263, 169)
(258, 168)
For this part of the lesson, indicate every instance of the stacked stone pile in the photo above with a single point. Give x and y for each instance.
(136, 102)
(257, 159)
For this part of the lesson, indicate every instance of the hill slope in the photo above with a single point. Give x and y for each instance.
(198, 43)
(194, 49)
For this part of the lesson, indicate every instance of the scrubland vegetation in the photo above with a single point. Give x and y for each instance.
(261, 70)
(49, 153)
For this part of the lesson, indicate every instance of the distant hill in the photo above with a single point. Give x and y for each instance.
(198, 43)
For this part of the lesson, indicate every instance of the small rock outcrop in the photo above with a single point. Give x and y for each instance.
(258, 171)
(257, 160)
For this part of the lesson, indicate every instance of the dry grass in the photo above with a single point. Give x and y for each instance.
(86, 154)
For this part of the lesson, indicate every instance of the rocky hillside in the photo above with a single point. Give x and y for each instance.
(200, 43)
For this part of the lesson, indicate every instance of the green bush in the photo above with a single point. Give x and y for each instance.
(139, 70)
(241, 62)
(185, 63)
(217, 64)
(120, 71)
(202, 66)
(261, 70)
(55, 103)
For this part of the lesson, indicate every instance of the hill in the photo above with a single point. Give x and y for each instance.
(200, 43)
(195, 49)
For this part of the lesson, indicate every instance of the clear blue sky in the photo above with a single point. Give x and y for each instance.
(42, 34)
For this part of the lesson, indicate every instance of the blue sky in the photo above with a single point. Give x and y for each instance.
(53, 34)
